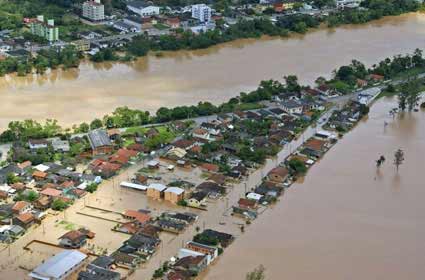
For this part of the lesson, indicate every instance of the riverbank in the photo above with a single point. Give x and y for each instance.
(181, 78)
(363, 216)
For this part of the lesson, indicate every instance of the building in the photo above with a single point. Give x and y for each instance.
(100, 142)
(156, 190)
(60, 266)
(173, 194)
(143, 8)
(340, 4)
(278, 174)
(94, 10)
(73, 239)
(292, 107)
(201, 12)
(47, 30)
(21, 207)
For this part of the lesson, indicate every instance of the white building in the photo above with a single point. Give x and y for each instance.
(348, 3)
(94, 10)
(201, 12)
(142, 8)
(60, 266)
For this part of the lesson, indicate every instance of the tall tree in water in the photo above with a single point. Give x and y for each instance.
(398, 158)
(257, 274)
(409, 95)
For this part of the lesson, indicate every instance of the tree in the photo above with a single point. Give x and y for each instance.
(257, 274)
(11, 179)
(59, 205)
(32, 196)
(398, 158)
(409, 95)
(96, 123)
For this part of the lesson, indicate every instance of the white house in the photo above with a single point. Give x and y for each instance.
(143, 8)
(201, 12)
(292, 107)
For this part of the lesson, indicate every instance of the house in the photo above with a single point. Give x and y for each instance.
(224, 238)
(202, 134)
(94, 272)
(212, 252)
(43, 203)
(24, 220)
(174, 194)
(292, 107)
(211, 188)
(35, 144)
(143, 8)
(125, 259)
(193, 264)
(153, 164)
(278, 174)
(184, 144)
(39, 175)
(375, 78)
(316, 144)
(60, 145)
(174, 23)
(21, 207)
(105, 169)
(100, 142)
(198, 200)
(247, 204)
(176, 153)
(73, 239)
(219, 179)
(209, 167)
(60, 266)
(156, 190)
(141, 243)
(50, 192)
(139, 217)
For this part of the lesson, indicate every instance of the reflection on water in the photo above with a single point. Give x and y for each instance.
(213, 74)
(348, 219)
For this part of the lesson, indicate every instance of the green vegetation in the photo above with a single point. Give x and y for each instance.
(297, 166)
(29, 196)
(256, 274)
(375, 9)
(205, 239)
(92, 188)
(59, 205)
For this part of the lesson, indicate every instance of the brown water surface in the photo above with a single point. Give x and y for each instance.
(347, 220)
(214, 74)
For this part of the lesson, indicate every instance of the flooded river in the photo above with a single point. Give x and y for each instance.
(346, 220)
(214, 74)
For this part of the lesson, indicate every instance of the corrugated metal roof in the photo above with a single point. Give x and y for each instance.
(58, 265)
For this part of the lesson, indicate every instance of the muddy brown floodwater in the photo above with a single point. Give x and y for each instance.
(346, 220)
(214, 74)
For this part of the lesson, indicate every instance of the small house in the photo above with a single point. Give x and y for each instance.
(156, 190)
(174, 194)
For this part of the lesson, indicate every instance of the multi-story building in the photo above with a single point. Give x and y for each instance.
(45, 29)
(94, 10)
(201, 12)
